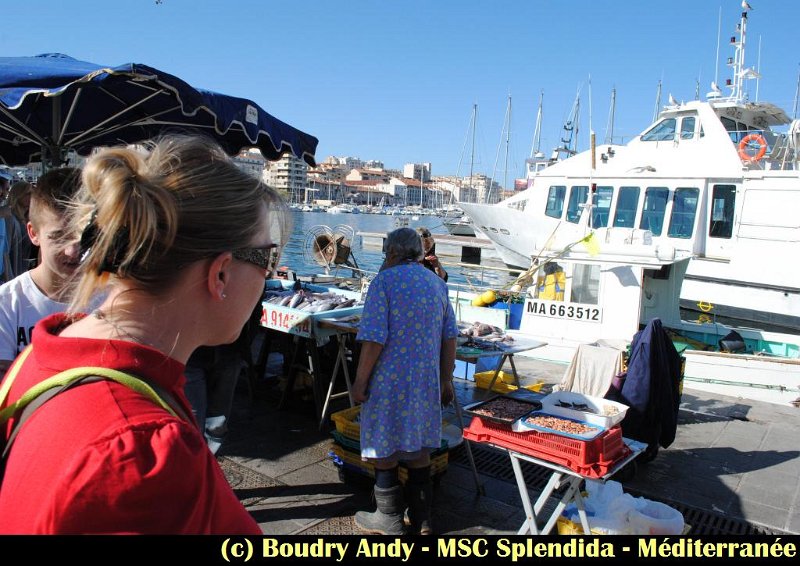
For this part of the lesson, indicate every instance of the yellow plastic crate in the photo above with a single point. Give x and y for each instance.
(346, 424)
(567, 527)
(504, 382)
(438, 463)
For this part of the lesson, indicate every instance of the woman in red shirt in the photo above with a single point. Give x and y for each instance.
(183, 241)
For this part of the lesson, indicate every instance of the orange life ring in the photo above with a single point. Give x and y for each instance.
(745, 143)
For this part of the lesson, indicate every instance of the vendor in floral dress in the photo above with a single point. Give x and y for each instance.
(405, 371)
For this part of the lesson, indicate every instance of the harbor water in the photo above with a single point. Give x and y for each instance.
(297, 258)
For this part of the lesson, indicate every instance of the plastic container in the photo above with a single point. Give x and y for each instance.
(655, 518)
(352, 461)
(504, 382)
(602, 412)
(523, 425)
(590, 458)
(567, 527)
(512, 408)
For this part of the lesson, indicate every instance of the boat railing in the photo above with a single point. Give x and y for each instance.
(781, 151)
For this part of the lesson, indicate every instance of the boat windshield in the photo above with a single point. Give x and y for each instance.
(662, 131)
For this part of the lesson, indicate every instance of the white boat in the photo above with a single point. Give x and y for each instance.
(709, 178)
(343, 208)
(602, 291)
(460, 226)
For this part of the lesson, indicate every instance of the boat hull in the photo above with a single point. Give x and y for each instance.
(755, 303)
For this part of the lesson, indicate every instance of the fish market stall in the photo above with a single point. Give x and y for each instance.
(296, 309)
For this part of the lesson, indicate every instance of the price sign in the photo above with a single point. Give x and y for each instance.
(286, 320)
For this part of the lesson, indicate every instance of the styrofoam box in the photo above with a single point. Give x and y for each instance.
(597, 405)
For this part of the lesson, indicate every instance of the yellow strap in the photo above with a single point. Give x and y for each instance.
(74, 374)
(12, 372)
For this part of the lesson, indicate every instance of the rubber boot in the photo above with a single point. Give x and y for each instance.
(387, 519)
(419, 494)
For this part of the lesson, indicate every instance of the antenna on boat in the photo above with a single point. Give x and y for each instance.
(796, 96)
(610, 126)
(719, 34)
(537, 132)
(658, 102)
(758, 66)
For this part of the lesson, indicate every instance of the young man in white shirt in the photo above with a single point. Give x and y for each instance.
(37, 293)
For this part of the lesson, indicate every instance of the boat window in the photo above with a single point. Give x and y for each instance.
(687, 127)
(732, 128)
(684, 206)
(551, 281)
(585, 284)
(555, 201)
(577, 196)
(627, 203)
(655, 203)
(723, 199)
(602, 204)
(663, 131)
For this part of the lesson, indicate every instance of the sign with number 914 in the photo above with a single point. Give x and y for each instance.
(286, 320)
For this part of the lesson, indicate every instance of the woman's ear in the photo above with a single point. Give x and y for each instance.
(218, 276)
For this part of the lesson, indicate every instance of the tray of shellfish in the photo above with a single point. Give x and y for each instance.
(502, 409)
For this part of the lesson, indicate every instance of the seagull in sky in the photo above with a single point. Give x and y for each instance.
(746, 6)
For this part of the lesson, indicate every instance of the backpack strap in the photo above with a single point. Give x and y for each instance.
(45, 390)
(11, 374)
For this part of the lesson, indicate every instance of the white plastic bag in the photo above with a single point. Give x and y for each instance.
(654, 518)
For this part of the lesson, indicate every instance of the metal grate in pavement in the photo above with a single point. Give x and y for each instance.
(333, 526)
(497, 464)
(242, 478)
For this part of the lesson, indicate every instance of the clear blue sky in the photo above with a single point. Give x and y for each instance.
(395, 80)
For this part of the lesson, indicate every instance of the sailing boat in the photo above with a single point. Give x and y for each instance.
(462, 225)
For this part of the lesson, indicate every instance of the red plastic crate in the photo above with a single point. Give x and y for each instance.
(590, 458)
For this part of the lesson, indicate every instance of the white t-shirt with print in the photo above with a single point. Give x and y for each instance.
(22, 305)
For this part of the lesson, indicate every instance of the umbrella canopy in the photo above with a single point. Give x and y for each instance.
(52, 103)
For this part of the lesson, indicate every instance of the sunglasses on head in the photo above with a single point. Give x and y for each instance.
(266, 258)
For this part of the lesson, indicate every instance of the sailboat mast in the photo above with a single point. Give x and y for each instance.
(508, 143)
(472, 155)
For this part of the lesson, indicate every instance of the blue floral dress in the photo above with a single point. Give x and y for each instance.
(407, 309)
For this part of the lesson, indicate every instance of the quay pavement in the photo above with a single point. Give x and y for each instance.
(734, 467)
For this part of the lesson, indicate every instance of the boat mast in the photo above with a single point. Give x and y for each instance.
(796, 95)
(508, 143)
(472, 156)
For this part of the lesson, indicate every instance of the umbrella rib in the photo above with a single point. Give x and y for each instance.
(83, 134)
(33, 136)
(65, 123)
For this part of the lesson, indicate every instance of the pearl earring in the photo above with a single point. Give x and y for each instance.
(224, 296)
